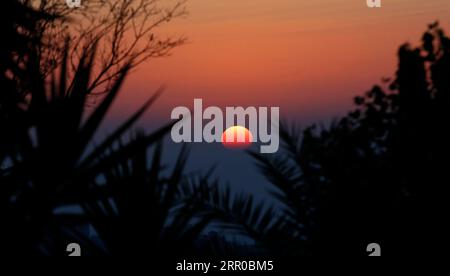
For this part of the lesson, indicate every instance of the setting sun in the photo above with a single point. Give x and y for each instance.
(237, 137)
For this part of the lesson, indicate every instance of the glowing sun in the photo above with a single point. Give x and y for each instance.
(237, 137)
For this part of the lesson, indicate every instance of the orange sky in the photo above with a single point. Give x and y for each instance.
(308, 57)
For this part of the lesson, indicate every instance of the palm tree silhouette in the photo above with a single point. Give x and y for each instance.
(48, 162)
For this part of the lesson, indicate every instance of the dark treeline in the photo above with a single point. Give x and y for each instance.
(376, 175)
(379, 173)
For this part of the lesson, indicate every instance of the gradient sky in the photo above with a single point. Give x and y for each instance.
(308, 57)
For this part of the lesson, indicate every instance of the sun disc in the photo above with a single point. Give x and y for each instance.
(237, 137)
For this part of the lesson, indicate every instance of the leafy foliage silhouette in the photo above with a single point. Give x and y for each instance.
(376, 174)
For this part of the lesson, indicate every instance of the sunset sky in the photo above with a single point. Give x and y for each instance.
(308, 57)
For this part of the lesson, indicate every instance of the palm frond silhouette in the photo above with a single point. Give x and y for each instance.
(236, 213)
(141, 212)
(51, 166)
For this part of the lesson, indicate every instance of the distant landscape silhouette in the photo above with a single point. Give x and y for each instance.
(377, 175)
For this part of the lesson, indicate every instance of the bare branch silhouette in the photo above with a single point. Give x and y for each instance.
(125, 32)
